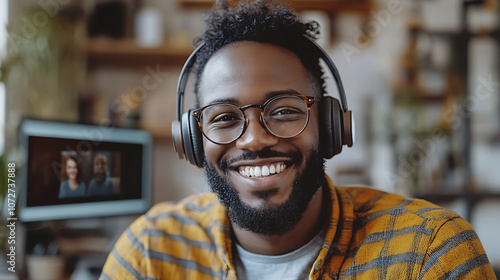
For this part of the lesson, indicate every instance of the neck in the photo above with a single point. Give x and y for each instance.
(73, 184)
(310, 225)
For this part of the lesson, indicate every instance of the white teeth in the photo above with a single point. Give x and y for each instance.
(272, 169)
(262, 171)
(258, 172)
(265, 170)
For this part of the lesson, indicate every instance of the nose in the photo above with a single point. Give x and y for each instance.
(256, 136)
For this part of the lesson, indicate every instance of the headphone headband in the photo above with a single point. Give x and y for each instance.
(335, 72)
(181, 84)
(186, 69)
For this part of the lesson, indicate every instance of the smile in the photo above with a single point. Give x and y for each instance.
(263, 170)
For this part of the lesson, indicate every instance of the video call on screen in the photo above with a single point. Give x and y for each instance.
(62, 171)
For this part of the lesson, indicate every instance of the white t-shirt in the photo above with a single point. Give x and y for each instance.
(290, 266)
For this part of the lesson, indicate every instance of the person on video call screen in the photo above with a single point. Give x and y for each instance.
(101, 184)
(73, 186)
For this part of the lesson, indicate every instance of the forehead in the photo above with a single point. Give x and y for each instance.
(99, 159)
(248, 72)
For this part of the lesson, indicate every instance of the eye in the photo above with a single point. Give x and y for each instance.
(225, 118)
(284, 111)
(223, 121)
(286, 114)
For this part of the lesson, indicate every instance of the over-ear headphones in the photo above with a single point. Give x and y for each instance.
(336, 121)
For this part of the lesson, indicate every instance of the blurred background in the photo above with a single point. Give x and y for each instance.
(422, 79)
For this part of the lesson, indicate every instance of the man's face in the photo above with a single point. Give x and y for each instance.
(100, 168)
(249, 73)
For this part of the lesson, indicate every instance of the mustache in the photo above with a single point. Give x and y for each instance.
(295, 157)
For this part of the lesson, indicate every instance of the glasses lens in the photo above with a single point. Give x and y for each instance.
(222, 123)
(286, 116)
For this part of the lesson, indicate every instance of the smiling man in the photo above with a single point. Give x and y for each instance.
(273, 213)
(240, 172)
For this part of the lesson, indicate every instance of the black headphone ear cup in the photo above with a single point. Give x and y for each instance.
(197, 140)
(331, 131)
(192, 139)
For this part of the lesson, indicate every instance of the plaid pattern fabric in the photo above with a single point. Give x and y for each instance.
(371, 235)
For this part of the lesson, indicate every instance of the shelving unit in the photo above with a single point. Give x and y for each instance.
(330, 7)
(468, 190)
(126, 52)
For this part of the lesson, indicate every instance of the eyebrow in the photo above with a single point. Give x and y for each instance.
(268, 96)
(272, 94)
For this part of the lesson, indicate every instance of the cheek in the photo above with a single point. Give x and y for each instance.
(310, 136)
(213, 152)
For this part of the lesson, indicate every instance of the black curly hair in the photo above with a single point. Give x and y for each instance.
(259, 21)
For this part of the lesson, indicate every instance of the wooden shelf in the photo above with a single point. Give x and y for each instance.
(450, 196)
(331, 6)
(127, 52)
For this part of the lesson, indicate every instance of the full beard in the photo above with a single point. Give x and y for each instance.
(272, 219)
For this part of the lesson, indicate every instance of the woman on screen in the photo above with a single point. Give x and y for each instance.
(72, 187)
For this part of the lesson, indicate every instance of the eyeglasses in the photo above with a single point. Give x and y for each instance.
(283, 116)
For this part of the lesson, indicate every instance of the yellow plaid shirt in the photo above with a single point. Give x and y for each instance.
(371, 235)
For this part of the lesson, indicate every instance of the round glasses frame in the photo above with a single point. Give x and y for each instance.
(308, 100)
